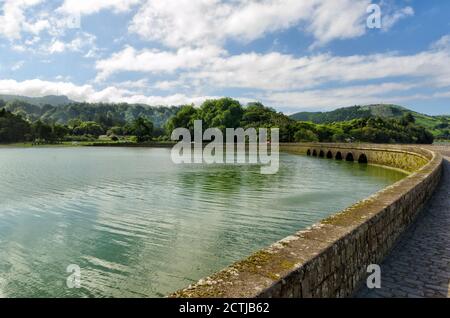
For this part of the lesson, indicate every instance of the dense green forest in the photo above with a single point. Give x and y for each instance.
(438, 125)
(108, 115)
(13, 128)
(229, 113)
(21, 121)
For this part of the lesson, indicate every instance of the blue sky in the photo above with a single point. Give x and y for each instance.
(293, 55)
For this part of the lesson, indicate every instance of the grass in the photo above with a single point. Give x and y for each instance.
(96, 143)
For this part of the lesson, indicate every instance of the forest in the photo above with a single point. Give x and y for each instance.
(22, 122)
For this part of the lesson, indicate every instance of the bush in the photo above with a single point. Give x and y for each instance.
(305, 135)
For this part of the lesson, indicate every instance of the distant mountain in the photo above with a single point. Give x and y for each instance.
(52, 100)
(438, 125)
(108, 114)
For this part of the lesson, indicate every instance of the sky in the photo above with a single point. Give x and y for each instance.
(292, 55)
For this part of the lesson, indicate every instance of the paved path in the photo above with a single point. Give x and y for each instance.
(419, 266)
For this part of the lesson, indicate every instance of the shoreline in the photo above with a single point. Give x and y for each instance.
(157, 144)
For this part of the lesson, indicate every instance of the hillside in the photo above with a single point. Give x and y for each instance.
(38, 101)
(81, 122)
(108, 114)
(438, 125)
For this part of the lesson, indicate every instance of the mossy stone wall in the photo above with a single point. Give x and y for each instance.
(330, 258)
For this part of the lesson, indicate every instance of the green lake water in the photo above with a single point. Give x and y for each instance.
(139, 226)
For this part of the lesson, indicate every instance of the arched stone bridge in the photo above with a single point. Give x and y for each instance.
(330, 258)
(386, 155)
(338, 155)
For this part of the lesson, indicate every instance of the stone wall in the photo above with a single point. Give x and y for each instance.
(330, 258)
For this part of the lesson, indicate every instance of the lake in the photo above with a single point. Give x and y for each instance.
(139, 226)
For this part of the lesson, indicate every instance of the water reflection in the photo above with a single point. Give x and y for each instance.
(138, 225)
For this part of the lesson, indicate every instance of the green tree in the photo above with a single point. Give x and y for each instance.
(13, 128)
(407, 119)
(184, 118)
(116, 130)
(88, 128)
(305, 135)
(221, 113)
(142, 128)
(42, 131)
(60, 131)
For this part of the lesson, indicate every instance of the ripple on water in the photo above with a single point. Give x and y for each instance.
(137, 225)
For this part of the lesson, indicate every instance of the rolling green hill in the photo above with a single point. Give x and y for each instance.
(108, 114)
(38, 101)
(438, 125)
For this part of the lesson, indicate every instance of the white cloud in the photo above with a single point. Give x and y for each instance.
(86, 7)
(442, 44)
(81, 41)
(37, 88)
(168, 85)
(178, 23)
(14, 19)
(341, 97)
(17, 66)
(155, 61)
(194, 33)
(338, 19)
(24, 21)
(277, 71)
(138, 84)
(37, 27)
(389, 20)
(57, 47)
(211, 67)
(323, 98)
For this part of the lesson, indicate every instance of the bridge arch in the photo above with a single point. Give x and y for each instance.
(329, 154)
(308, 153)
(322, 154)
(349, 157)
(338, 155)
(314, 153)
(362, 158)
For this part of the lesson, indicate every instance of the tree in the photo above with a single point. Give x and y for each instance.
(221, 113)
(184, 118)
(142, 128)
(407, 119)
(88, 128)
(60, 131)
(42, 131)
(305, 135)
(256, 113)
(116, 130)
(13, 128)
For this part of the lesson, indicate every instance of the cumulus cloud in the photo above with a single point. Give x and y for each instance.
(340, 19)
(82, 40)
(184, 51)
(276, 71)
(343, 96)
(178, 23)
(87, 7)
(112, 94)
(155, 61)
(13, 20)
(323, 98)
(44, 26)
